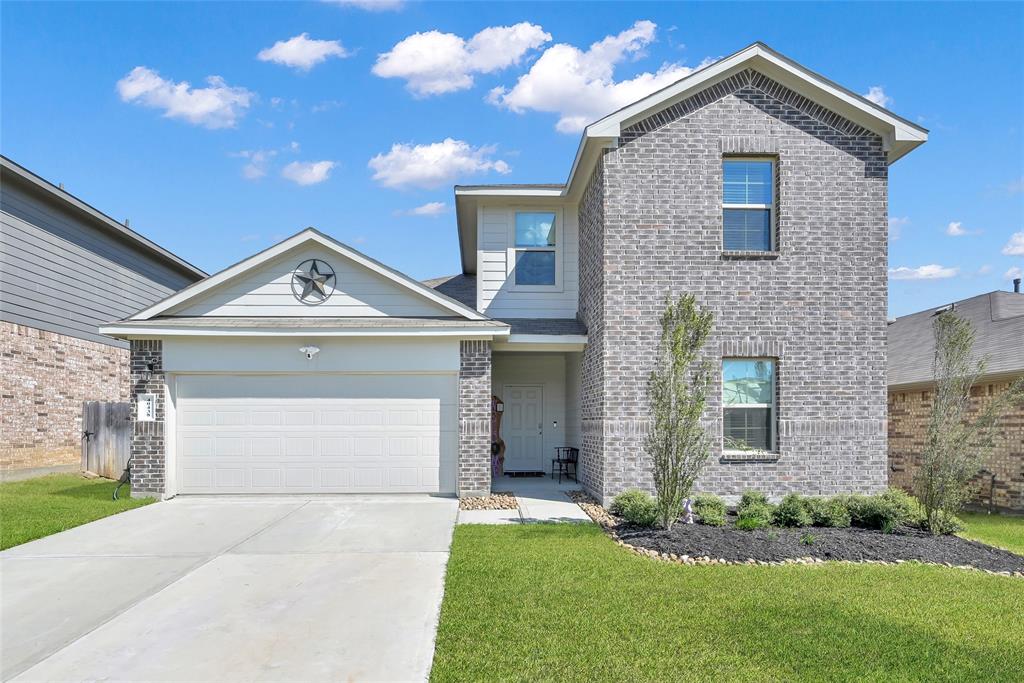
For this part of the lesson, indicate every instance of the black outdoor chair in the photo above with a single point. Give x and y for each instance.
(565, 459)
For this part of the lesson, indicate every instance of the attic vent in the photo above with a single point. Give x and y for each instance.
(945, 309)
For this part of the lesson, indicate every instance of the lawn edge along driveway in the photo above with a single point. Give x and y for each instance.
(563, 602)
(39, 507)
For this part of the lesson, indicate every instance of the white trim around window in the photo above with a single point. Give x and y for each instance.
(558, 248)
(771, 406)
(770, 206)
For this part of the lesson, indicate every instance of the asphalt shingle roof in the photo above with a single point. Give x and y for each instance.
(998, 319)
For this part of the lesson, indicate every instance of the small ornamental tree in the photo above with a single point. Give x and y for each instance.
(678, 387)
(955, 444)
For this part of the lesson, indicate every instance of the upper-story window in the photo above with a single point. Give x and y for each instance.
(748, 204)
(748, 404)
(536, 249)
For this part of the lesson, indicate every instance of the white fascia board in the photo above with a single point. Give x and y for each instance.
(510, 192)
(542, 342)
(137, 332)
(306, 236)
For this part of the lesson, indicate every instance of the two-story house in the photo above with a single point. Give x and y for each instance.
(754, 183)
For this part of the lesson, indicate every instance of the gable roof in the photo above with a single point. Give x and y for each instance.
(998, 319)
(12, 170)
(306, 237)
(899, 135)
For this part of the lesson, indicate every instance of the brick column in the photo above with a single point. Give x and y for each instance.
(474, 478)
(148, 458)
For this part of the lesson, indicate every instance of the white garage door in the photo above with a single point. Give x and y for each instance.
(351, 433)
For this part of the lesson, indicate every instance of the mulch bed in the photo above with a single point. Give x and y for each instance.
(699, 544)
(498, 500)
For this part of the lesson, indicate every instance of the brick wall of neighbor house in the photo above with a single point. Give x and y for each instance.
(591, 312)
(474, 475)
(908, 424)
(819, 306)
(148, 456)
(44, 378)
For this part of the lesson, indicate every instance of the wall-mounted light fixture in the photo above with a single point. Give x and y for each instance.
(310, 351)
(147, 374)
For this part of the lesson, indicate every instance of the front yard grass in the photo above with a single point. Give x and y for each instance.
(34, 508)
(1001, 531)
(563, 602)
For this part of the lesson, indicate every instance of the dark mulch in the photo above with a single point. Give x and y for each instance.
(773, 545)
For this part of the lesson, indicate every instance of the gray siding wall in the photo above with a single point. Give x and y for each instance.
(818, 306)
(62, 273)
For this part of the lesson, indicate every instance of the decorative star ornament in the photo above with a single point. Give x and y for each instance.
(313, 281)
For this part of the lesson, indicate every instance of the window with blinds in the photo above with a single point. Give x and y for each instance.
(748, 204)
(748, 404)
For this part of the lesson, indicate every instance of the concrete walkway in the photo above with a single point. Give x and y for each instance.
(541, 499)
(232, 589)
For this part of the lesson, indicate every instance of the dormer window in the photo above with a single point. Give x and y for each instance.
(535, 259)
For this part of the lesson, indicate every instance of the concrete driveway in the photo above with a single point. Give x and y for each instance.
(232, 589)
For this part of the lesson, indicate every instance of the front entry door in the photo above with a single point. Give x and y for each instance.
(523, 428)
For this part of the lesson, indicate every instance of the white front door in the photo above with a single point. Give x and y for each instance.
(523, 428)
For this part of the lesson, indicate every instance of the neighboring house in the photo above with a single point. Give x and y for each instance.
(64, 269)
(998, 319)
(754, 183)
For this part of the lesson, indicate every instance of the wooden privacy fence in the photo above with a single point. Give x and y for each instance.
(106, 437)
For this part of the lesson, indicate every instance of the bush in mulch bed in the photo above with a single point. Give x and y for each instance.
(852, 544)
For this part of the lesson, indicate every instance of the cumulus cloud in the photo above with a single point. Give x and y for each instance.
(896, 225)
(302, 52)
(433, 63)
(930, 272)
(877, 95)
(1013, 272)
(956, 229)
(432, 165)
(428, 209)
(580, 86)
(217, 106)
(307, 172)
(370, 5)
(257, 162)
(1015, 247)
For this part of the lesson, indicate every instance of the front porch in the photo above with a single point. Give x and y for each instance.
(540, 499)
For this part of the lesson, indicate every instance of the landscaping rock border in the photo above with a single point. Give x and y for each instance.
(498, 500)
(665, 546)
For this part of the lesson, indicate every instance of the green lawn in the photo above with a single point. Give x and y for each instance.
(563, 602)
(42, 506)
(1002, 531)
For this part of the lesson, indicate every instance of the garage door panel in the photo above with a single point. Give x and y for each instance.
(242, 437)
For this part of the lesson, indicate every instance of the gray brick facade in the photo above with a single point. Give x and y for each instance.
(651, 226)
(148, 456)
(474, 475)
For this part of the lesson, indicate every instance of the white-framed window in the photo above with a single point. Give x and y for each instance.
(535, 254)
(748, 204)
(748, 404)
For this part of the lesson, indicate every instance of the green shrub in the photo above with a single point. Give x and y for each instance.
(885, 511)
(754, 516)
(710, 509)
(807, 539)
(751, 498)
(792, 512)
(830, 512)
(636, 507)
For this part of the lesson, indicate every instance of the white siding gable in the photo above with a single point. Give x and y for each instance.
(267, 291)
(497, 295)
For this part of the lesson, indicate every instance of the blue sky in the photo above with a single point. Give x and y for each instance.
(360, 126)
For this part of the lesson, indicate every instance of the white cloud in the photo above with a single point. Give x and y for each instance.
(370, 5)
(955, 229)
(430, 166)
(877, 95)
(308, 172)
(258, 160)
(302, 52)
(1013, 272)
(896, 226)
(1015, 247)
(580, 86)
(217, 106)
(428, 209)
(929, 272)
(433, 63)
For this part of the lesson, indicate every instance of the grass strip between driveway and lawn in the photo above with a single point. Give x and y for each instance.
(1001, 531)
(34, 508)
(564, 602)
